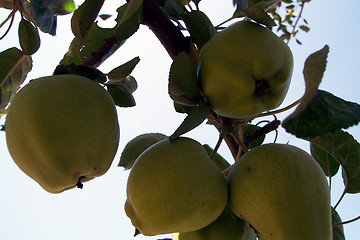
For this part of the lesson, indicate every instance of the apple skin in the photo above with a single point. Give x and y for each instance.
(226, 227)
(174, 187)
(62, 130)
(282, 192)
(244, 70)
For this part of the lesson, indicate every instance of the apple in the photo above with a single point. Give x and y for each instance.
(174, 187)
(62, 131)
(136, 146)
(226, 227)
(244, 70)
(282, 192)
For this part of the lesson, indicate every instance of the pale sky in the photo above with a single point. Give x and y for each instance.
(97, 212)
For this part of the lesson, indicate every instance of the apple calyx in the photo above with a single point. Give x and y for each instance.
(262, 87)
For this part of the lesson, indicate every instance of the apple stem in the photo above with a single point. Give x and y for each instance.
(79, 184)
(221, 138)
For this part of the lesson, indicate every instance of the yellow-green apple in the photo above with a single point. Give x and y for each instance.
(245, 70)
(282, 192)
(174, 187)
(62, 130)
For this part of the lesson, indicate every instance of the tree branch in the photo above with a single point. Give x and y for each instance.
(271, 126)
(168, 34)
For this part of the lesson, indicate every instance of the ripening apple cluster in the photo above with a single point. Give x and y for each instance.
(174, 187)
(278, 191)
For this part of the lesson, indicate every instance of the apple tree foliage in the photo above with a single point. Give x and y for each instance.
(319, 117)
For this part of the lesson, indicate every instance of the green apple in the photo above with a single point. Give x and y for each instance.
(245, 70)
(226, 227)
(62, 131)
(174, 187)
(282, 192)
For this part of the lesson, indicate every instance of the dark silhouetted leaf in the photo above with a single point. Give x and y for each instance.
(314, 69)
(45, 12)
(121, 72)
(338, 231)
(99, 43)
(28, 37)
(199, 26)
(327, 162)
(182, 108)
(173, 8)
(250, 129)
(183, 83)
(195, 117)
(346, 150)
(219, 161)
(86, 71)
(84, 17)
(14, 68)
(104, 16)
(121, 94)
(304, 28)
(259, 15)
(326, 113)
(128, 20)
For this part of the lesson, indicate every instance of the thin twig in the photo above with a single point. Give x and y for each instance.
(346, 222)
(338, 202)
(296, 21)
(221, 138)
(12, 16)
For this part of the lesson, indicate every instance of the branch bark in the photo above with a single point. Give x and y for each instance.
(168, 34)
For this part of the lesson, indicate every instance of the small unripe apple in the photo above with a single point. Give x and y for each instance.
(62, 131)
(244, 70)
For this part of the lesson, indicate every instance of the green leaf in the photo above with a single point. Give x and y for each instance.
(258, 14)
(136, 146)
(98, 45)
(121, 72)
(84, 17)
(199, 26)
(44, 18)
(182, 108)
(304, 28)
(174, 8)
(326, 113)
(45, 12)
(128, 20)
(14, 68)
(86, 71)
(346, 150)
(183, 84)
(338, 231)
(219, 161)
(250, 129)
(105, 17)
(28, 37)
(327, 162)
(121, 94)
(314, 69)
(195, 117)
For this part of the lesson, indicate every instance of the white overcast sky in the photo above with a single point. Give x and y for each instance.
(96, 212)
